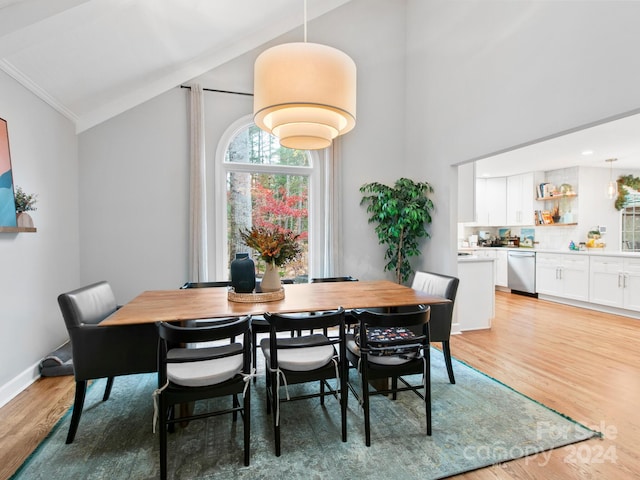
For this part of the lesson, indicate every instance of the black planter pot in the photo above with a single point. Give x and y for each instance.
(243, 273)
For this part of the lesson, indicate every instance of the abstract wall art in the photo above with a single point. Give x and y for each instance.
(7, 199)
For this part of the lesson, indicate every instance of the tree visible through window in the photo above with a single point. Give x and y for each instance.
(267, 186)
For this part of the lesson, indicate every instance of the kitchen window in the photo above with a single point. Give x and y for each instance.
(630, 233)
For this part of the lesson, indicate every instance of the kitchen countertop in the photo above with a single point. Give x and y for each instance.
(589, 251)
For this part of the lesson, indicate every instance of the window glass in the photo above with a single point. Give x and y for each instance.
(253, 145)
(631, 228)
(268, 195)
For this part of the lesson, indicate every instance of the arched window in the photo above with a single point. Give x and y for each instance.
(259, 183)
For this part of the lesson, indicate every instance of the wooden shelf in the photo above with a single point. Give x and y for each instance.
(555, 197)
(556, 224)
(17, 229)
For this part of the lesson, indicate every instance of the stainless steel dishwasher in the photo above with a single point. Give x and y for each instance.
(522, 271)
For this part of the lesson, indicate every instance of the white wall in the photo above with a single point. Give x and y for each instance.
(36, 267)
(134, 167)
(134, 180)
(491, 75)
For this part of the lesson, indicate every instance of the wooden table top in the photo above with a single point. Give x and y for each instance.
(194, 303)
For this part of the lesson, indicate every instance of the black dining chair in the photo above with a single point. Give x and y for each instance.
(441, 314)
(260, 325)
(100, 351)
(347, 278)
(303, 359)
(391, 346)
(223, 283)
(348, 318)
(201, 371)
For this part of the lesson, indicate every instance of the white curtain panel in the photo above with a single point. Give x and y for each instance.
(332, 258)
(197, 191)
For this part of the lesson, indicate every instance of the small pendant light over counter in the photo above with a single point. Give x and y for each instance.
(304, 93)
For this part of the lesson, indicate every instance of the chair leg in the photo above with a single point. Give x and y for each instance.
(254, 351)
(344, 397)
(365, 403)
(427, 390)
(171, 416)
(394, 387)
(275, 403)
(446, 351)
(246, 411)
(321, 392)
(236, 404)
(78, 403)
(269, 391)
(107, 390)
(163, 438)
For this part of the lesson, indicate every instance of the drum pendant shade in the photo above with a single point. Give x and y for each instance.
(304, 94)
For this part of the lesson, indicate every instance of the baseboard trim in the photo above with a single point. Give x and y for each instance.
(591, 306)
(13, 387)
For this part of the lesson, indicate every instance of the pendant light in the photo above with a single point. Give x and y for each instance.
(612, 188)
(304, 93)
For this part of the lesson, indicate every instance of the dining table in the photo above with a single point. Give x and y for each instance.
(197, 303)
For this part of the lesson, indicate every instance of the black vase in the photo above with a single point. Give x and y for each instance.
(243, 273)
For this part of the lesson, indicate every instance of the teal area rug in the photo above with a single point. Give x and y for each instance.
(476, 422)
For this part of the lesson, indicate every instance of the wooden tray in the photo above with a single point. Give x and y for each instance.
(255, 297)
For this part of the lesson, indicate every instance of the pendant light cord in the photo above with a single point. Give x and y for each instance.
(305, 21)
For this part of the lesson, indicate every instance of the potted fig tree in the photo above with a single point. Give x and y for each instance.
(402, 213)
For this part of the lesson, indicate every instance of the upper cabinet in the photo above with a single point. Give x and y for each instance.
(490, 201)
(517, 200)
(520, 199)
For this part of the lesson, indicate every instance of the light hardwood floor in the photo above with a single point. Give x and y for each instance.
(582, 363)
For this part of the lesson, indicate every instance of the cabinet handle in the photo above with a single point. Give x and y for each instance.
(620, 280)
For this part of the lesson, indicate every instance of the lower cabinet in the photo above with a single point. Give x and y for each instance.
(563, 275)
(475, 302)
(615, 282)
(499, 265)
(502, 268)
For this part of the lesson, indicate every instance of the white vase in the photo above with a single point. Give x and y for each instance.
(24, 220)
(271, 279)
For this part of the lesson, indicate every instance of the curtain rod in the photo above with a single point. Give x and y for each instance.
(219, 91)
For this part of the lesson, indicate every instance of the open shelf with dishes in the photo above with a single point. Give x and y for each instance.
(557, 208)
(557, 196)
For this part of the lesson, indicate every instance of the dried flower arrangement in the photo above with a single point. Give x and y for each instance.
(274, 245)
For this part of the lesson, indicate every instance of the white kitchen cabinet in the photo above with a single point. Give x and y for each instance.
(632, 284)
(563, 275)
(615, 281)
(502, 268)
(490, 201)
(520, 194)
(475, 302)
(500, 264)
(487, 253)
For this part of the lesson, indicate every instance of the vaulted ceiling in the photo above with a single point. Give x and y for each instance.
(94, 59)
